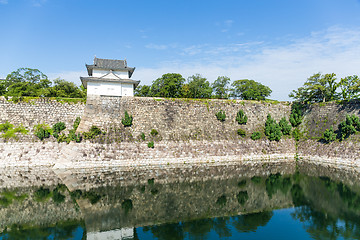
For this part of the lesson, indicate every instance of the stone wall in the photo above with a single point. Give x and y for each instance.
(180, 119)
(35, 111)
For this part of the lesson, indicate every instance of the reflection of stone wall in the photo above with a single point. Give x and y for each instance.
(177, 194)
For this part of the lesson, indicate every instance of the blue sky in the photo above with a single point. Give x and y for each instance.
(279, 43)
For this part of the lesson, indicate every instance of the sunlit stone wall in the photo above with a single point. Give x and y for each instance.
(180, 119)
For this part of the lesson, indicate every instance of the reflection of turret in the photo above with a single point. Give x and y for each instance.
(118, 234)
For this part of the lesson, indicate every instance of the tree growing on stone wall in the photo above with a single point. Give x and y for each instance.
(272, 129)
(127, 120)
(241, 118)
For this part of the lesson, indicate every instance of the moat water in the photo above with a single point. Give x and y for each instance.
(266, 201)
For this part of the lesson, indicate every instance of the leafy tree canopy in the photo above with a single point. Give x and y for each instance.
(169, 85)
(33, 83)
(250, 90)
(317, 88)
(221, 87)
(199, 87)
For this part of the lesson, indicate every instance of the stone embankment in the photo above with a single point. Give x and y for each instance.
(188, 131)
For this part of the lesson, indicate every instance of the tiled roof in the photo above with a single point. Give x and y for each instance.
(109, 64)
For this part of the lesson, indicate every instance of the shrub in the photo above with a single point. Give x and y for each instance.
(151, 144)
(10, 132)
(42, 133)
(74, 137)
(296, 134)
(349, 126)
(58, 127)
(142, 136)
(296, 114)
(272, 129)
(92, 133)
(127, 120)
(4, 127)
(285, 126)
(154, 132)
(63, 138)
(241, 118)
(241, 132)
(255, 135)
(221, 116)
(329, 135)
(76, 123)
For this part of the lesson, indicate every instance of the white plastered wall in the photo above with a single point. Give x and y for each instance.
(110, 89)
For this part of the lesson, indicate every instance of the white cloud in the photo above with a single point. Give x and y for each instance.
(282, 68)
(38, 3)
(161, 46)
(72, 76)
(4, 2)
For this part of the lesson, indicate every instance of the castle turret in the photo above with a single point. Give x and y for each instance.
(108, 77)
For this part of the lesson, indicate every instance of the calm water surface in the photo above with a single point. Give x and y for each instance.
(266, 201)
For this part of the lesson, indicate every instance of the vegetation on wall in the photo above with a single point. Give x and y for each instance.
(9, 131)
(272, 129)
(241, 118)
(255, 135)
(221, 116)
(127, 120)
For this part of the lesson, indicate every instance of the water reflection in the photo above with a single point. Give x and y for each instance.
(199, 202)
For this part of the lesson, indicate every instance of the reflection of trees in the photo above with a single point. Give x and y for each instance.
(323, 226)
(61, 231)
(250, 222)
(173, 231)
(221, 227)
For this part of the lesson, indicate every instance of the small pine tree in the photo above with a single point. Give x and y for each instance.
(285, 126)
(221, 116)
(127, 120)
(329, 135)
(272, 129)
(255, 135)
(241, 118)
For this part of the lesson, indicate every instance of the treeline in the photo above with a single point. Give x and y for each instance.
(173, 85)
(325, 88)
(33, 83)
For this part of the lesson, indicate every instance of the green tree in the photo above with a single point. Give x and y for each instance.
(250, 90)
(241, 118)
(329, 135)
(63, 88)
(25, 82)
(220, 87)
(199, 87)
(285, 126)
(143, 91)
(272, 129)
(169, 85)
(350, 87)
(317, 88)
